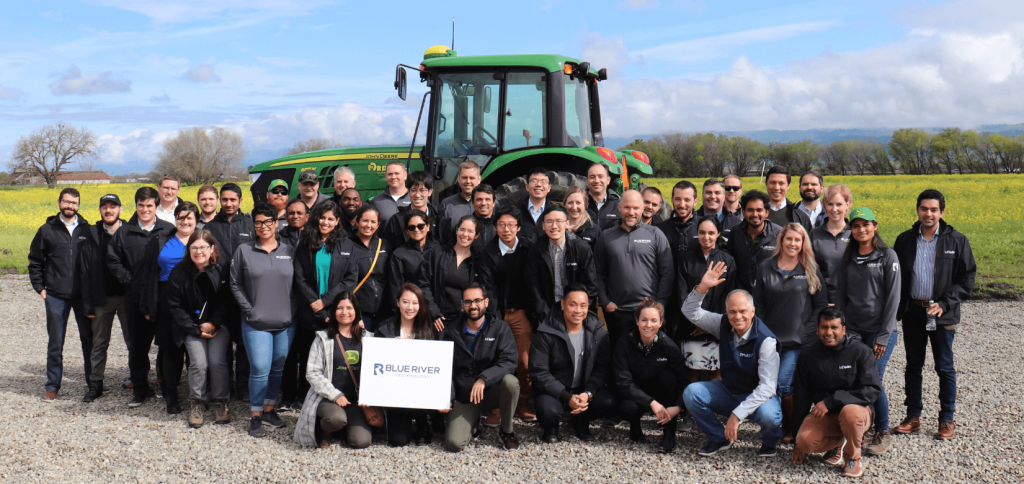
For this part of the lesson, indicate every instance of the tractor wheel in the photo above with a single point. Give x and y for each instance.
(515, 190)
(666, 208)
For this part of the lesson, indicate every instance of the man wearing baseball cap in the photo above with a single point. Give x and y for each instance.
(309, 190)
(277, 195)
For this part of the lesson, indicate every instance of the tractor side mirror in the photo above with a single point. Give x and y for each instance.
(400, 82)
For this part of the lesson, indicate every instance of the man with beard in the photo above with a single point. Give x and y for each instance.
(396, 195)
(52, 260)
(277, 195)
(483, 210)
(714, 204)
(753, 240)
(782, 211)
(351, 202)
(681, 231)
(102, 293)
(634, 252)
(456, 206)
(421, 188)
(811, 186)
(309, 190)
(652, 205)
(733, 186)
(207, 198)
(604, 204)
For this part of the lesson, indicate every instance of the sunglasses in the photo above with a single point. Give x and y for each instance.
(733, 189)
(412, 228)
(279, 192)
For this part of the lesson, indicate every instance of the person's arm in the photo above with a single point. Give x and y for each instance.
(666, 268)
(37, 262)
(540, 370)
(237, 283)
(891, 283)
(86, 255)
(963, 282)
(706, 320)
(601, 265)
(423, 277)
(768, 379)
(506, 357)
(587, 271)
(316, 370)
(532, 279)
(115, 263)
(867, 387)
(840, 301)
(148, 278)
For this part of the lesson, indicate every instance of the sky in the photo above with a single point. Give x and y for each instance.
(280, 71)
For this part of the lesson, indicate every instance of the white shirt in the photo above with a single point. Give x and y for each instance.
(151, 226)
(506, 249)
(600, 203)
(70, 226)
(166, 215)
(780, 207)
(767, 358)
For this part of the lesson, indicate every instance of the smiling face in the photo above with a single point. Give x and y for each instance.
(419, 196)
(554, 226)
(68, 205)
(792, 243)
(350, 202)
(208, 202)
(110, 212)
(508, 229)
(631, 207)
(474, 304)
(408, 305)
(417, 228)
(328, 222)
(395, 176)
(652, 203)
(368, 223)
(929, 213)
(777, 188)
(469, 178)
(831, 332)
(649, 323)
(185, 223)
(483, 204)
(837, 208)
(575, 306)
(732, 188)
(309, 190)
(265, 227)
(146, 210)
(278, 197)
(296, 215)
(810, 188)
(862, 230)
(707, 235)
(755, 212)
(168, 192)
(229, 202)
(465, 234)
(200, 251)
(683, 200)
(714, 196)
(345, 313)
(597, 181)
(740, 312)
(575, 204)
(343, 180)
(538, 186)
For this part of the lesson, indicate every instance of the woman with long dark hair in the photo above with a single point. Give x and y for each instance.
(830, 239)
(412, 322)
(448, 269)
(332, 403)
(789, 293)
(869, 294)
(325, 266)
(371, 253)
(197, 290)
(405, 261)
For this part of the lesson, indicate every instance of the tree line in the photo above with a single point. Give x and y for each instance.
(910, 151)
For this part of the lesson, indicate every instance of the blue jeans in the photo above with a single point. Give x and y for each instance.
(57, 312)
(915, 340)
(881, 407)
(787, 368)
(267, 351)
(707, 398)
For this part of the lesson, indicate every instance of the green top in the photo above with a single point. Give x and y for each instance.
(323, 268)
(550, 62)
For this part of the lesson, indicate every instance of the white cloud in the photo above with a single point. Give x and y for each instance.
(12, 93)
(74, 82)
(703, 48)
(605, 52)
(170, 11)
(639, 4)
(202, 73)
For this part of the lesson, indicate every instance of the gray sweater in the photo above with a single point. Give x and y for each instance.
(633, 265)
(262, 284)
(869, 294)
(828, 252)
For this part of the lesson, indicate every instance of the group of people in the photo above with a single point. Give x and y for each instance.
(584, 308)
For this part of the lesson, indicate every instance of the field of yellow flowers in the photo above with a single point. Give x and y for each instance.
(981, 206)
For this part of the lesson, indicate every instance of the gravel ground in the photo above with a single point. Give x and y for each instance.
(69, 441)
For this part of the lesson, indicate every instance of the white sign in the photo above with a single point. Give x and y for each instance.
(406, 373)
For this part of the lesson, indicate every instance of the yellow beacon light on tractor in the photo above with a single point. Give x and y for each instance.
(438, 51)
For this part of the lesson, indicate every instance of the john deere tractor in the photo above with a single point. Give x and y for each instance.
(507, 113)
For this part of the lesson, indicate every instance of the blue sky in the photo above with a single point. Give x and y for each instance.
(279, 71)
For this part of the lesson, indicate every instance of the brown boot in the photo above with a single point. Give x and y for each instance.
(524, 412)
(909, 425)
(196, 414)
(494, 419)
(220, 409)
(880, 444)
(946, 431)
(787, 420)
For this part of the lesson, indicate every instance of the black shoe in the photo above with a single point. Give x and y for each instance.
(437, 423)
(172, 407)
(668, 438)
(95, 391)
(713, 447)
(423, 432)
(550, 436)
(636, 432)
(272, 419)
(686, 423)
(768, 451)
(242, 393)
(611, 422)
(256, 427)
(286, 404)
(508, 441)
(583, 432)
(137, 399)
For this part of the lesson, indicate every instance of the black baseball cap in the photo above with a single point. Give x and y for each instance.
(308, 177)
(110, 197)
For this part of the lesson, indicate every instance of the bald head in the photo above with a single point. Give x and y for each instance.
(631, 208)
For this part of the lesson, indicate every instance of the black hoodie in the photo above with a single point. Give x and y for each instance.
(840, 376)
(551, 357)
(494, 355)
(53, 258)
(954, 270)
(631, 363)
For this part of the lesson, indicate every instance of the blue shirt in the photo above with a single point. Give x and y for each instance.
(323, 269)
(469, 337)
(534, 211)
(923, 281)
(170, 255)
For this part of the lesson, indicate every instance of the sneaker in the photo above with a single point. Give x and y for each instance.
(493, 420)
(127, 384)
(256, 428)
(286, 405)
(853, 469)
(272, 419)
(509, 440)
(712, 448)
(550, 436)
(221, 413)
(196, 414)
(686, 423)
(173, 408)
(137, 400)
(49, 396)
(767, 451)
(611, 422)
(880, 444)
(834, 457)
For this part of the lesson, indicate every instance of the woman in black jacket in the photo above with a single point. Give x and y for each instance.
(412, 322)
(448, 269)
(372, 253)
(325, 266)
(700, 348)
(196, 292)
(650, 374)
(405, 261)
(575, 202)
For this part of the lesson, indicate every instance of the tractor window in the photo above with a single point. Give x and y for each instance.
(525, 112)
(465, 123)
(577, 112)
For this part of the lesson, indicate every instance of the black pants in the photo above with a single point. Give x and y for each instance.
(400, 424)
(550, 410)
(143, 331)
(172, 362)
(293, 381)
(663, 388)
(619, 323)
(233, 319)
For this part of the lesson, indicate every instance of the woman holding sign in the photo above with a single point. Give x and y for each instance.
(332, 403)
(412, 322)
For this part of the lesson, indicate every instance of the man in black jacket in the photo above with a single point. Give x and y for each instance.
(781, 211)
(102, 293)
(538, 185)
(753, 240)
(681, 231)
(836, 383)
(124, 261)
(713, 198)
(938, 274)
(483, 210)
(543, 280)
(569, 364)
(483, 361)
(604, 203)
(52, 262)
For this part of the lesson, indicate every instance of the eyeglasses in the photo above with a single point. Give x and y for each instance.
(732, 189)
(69, 203)
(197, 248)
(538, 181)
(415, 227)
(555, 223)
(503, 226)
(473, 302)
(264, 223)
(419, 190)
(279, 192)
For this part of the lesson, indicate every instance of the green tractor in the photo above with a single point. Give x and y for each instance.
(507, 113)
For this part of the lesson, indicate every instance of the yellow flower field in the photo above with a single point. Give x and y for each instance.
(981, 206)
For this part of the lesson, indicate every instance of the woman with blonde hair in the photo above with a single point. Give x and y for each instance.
(575, 203)
(788, 295)
(829, 240)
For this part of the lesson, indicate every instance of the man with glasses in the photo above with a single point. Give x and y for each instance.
(421, 188)
(167, 186)
(538, 185)
(396, 195)
(277, 195)
(52, 261)
(483, 361)
(733, 186)
(558, 259)
(309, 190)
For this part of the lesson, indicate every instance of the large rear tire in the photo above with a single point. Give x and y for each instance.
(514, 191)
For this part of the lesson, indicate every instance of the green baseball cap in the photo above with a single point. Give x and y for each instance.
(864, 213)
(277, 183)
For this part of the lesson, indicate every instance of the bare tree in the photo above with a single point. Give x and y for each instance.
(47, 150)
(197, 156)
(314, 144)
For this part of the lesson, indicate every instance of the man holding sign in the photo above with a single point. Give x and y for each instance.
(482, 365)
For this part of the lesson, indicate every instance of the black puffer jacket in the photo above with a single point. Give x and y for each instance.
(551, 357)
(844, 375)
(185, 300)
(343, 277)
(630, 362)
(493, 356)
(53, 258)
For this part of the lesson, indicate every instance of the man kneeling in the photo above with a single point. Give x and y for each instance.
(569, 363)
(837, 376)
(483, 361)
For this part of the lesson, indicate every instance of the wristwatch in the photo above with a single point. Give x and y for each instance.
(590, 396)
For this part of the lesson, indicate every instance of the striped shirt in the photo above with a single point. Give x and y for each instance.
(924, 269)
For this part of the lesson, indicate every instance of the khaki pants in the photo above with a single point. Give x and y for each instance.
(824, 434)
(522, 332)
(464, 416)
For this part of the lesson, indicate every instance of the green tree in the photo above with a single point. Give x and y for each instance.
(745, 154)
(1010, 151)
(800, 157)
(954, 150)
(657, 151)
(909, 148)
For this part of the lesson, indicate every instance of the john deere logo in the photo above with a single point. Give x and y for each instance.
(352, 357)
(378, 169)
